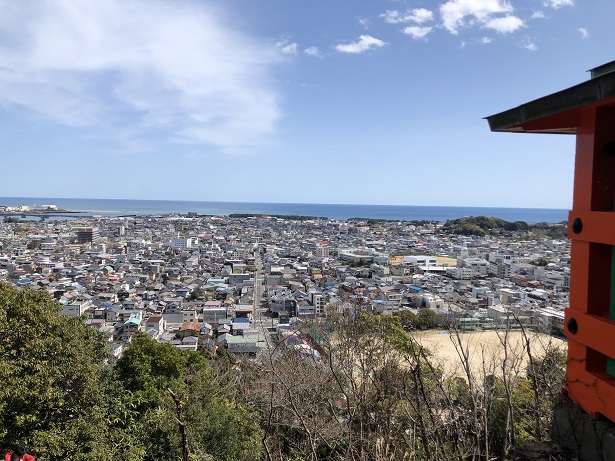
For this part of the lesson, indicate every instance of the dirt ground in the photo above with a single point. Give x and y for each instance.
(450, 262)
(485, 350)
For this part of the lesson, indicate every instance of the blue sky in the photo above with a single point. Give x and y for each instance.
(356, 101)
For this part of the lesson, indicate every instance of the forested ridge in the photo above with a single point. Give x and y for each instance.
(483, 225)
(375, 394)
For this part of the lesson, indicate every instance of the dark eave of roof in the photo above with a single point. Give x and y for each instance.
(603, 69)
(558, 112)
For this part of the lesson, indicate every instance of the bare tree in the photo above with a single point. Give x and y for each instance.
(378, 394)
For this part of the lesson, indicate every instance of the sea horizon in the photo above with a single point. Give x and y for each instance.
(139, 207)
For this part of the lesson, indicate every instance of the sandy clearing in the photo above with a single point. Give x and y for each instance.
(442, 260)
(485, 350)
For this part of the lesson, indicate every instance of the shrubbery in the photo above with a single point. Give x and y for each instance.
(376, 394)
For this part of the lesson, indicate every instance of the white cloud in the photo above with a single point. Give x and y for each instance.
(417, 32)
(173, 69)
(312, 51)
(529, 45)
(504, 25)
(364, 22)
(538, 15)
(583, 31)
(291, 48)
(416, 15)
(392, 16)
(457, 14)
(558, 3)
(365, 43)
(421, 15)
(486, 40)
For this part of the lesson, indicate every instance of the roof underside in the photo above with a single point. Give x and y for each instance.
(558, 112)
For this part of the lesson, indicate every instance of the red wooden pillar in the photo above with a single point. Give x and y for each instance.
(587, 110)
(589, 328)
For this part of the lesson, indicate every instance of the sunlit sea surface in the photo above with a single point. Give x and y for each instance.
(116, 207)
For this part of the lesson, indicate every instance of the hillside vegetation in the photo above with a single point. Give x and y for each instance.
(483, 225)
(376, 394)
(62, 400)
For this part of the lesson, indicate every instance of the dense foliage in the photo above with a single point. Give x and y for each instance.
(550, 231)
(483, 225)
(375, 394)
(62, 400)
(425, 319)
(51, 371)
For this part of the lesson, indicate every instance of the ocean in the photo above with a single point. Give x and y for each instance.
(118, 207)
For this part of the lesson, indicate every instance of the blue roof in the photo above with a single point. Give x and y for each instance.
(241, 320)
(414, 287)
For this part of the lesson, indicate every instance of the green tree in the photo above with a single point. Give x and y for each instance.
(53, 379)
(216, 423)
(145, 418)
(196, 295)
(541, 261)
(409, 321)
(427, 319)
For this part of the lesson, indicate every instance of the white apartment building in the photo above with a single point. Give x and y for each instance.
(554, 279)
(420, 260)
(478, 265)
(179, 243)
(430, 300)
(460, 273)
(499, 269)
(508, 296)
(549, 320)
(318, 301)
(321, 251)
(76, 309)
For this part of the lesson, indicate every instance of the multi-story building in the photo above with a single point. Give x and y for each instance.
(321, 251)
(87, 235)
(478, 265)
(179, 243)
(318, 300)
(76, 309)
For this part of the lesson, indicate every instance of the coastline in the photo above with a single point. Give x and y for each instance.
(127, 207)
